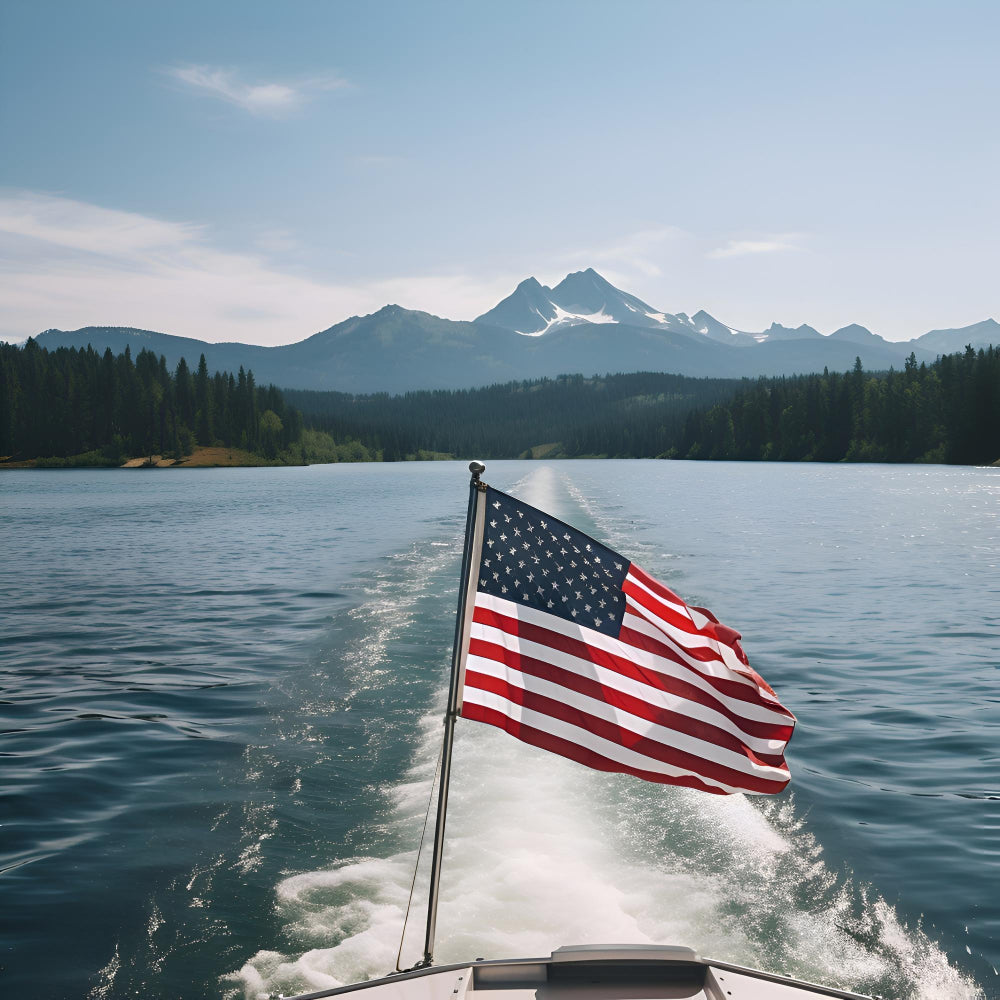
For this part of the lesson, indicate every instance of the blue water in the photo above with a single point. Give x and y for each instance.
(218, 722)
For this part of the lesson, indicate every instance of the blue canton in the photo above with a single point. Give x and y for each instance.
(535, 560)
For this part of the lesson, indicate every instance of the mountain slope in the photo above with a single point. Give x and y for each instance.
(584, 325)
(533, 309)
(948, 341)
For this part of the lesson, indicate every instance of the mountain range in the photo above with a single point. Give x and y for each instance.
(582, 325)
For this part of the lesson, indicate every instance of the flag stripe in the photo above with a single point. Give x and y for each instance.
(664, 673)
(623, 758)
(581, 754)
(634, 694)
(695, 643)
(613, 733)
(632, 714)
(640, 633)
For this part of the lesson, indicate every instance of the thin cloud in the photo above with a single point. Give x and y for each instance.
(638, 253)
(69, 264)
(744, 248)
(265, 99)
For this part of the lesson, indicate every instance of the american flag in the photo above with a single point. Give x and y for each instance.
(573, 648)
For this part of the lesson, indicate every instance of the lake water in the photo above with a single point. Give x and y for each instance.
(220, 714)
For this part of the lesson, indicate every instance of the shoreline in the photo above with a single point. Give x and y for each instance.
(200, 458)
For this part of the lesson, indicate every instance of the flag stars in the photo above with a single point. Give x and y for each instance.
(561, 560)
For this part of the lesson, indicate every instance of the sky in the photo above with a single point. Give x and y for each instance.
(258, 172)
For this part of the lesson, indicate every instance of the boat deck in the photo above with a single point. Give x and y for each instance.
(591, 972)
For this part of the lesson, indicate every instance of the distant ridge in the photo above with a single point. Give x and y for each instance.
(583, 325)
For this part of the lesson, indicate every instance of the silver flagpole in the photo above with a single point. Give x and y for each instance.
(473, 541)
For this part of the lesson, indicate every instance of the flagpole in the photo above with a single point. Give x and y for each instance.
(475, 488)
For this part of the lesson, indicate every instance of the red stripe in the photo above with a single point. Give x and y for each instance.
(713, 629)
(654, 585)
(592, 688)
(575, 752)
(629, 668)
(730, 688)
(649, 603)
(613, 733)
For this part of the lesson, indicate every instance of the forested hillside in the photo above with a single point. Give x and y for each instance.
(79, 407)
(567, 416)
(103, 409)
(948, 412)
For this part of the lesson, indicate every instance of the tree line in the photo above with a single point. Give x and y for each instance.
(105, 409)
(945, 412)
(569, 416)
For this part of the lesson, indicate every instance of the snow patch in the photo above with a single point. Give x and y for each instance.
(564, 318)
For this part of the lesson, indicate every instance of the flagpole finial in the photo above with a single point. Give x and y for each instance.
(477, 469)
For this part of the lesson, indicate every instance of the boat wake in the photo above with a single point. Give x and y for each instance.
(541, 852)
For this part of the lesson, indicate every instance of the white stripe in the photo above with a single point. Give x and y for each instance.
(725, 656)
(669, 738)
(681, 609)
(627, 685)
(588, 740)
(641, 657)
